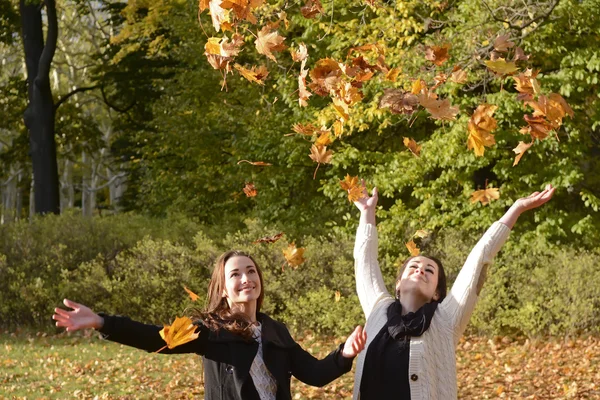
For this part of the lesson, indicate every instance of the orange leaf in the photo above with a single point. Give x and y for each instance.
(392, 74)
(418, 86)
(520, 150)
(412, 146)
(250, 189)
(324, 139)
(257, 163)
(349, 182)
(193, 295)
(537, 127)
(311, 9)
(181, 331)
(256, 74)
(293, 255)
(437, 54)
(268, 41)
(485, 196)
(320, 154)
(308, 129)
(220, 52)
(481, 124)
(269, 239)
(412, 248)
(439, 109)
(338, 128)
(458, 75)
(337, 296)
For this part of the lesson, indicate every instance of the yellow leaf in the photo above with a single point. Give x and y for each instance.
(293, 255)
(502, 67)
(412, 248)
(480, 126)
(412, 146)
(181, 331)
(192, 295)
(255, 74)
(485, 196)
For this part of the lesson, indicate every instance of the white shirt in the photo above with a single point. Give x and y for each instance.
(265, 384)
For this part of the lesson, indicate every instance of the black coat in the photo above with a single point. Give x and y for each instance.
(227, 357)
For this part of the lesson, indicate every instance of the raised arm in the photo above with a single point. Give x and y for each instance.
(121, 329)
(370, 286)
(458, 306)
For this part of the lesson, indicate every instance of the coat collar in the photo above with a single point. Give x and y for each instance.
(272, 332)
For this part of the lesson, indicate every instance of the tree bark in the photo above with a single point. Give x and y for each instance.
(40, 113)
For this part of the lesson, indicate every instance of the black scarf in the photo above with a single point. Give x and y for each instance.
(395, 334)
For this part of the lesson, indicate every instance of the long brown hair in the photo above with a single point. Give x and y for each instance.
(218, 315)
(441, 288)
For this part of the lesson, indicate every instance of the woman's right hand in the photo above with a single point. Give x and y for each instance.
(80, 318)
(367, 205)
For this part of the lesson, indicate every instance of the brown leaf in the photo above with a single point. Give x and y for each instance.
(437, 54)
(413, 249)
(257, 163)
(338, 128)
(399, 101)
(537, 127)
(220, 52)
(502, 43)
(412, 146)
(459, 75)
(293, 255)
(485, 196)
(192, 295)
(392, 74)
(268, 41)
(520, 55)
(250, 190)
(181, 331)
(325, 76)
(256, 74)
(527, 83)
(320, 154)
(520, 150)
(269, 239)
(311, 9)
(439, 109)
(300, 54)
(308, 129)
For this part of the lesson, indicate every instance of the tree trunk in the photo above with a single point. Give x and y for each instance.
(40, 112)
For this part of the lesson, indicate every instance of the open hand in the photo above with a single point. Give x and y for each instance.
(367, 203)
(355, 342)
(535, 199)
(80, 318)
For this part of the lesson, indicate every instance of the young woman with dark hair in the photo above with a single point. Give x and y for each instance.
(412, 337)
(246, 354)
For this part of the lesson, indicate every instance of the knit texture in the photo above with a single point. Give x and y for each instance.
(432, 363)
(265, 384)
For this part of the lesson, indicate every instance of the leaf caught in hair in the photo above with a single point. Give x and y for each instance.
(181, 331)
(269, 239)
(294, 256)
(250, 189)
(485, 196)
(192, 295)
(413, 249)
(412, 146)
(520, 150)
(257, 163)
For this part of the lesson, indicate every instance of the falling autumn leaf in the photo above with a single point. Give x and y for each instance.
(324, 139)
(294, 256)
(399, 101)
(418, 86)
(485, 196)
(520, 150)
(338, 128)
(308, 129)
(300, 54)
(458, 75)
(502, 43)
(537, 127)
(257, 163)
(192, 295)
(269, 239)
(502, 67)
(421, 233)
(439, 109)
(480, 126)
(337, 296)
(413, 249)
(527, 84)
(221, 51)
(437, 54)
(351, 185)
(255, 74)
(303, 93)
(520, 55)
(320, 155)
(250, 189)
(412, 146)
(311, 9)
(392, 74)
(269, 41)
(181, 331)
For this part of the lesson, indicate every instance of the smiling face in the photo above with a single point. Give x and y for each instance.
(242, 281)
(419, 278)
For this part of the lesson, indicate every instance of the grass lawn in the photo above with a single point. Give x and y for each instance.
(80, 365)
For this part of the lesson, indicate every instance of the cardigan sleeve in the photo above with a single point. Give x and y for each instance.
(370, 286)
(460, 302)
(125, 331)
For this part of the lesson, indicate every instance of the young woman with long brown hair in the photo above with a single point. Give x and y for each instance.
(246, 354)
(412, 336)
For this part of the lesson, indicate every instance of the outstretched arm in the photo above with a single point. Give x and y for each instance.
(121, 329)
(460, 302)
(370, 286)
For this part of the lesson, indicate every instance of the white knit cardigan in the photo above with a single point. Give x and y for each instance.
(432, 365)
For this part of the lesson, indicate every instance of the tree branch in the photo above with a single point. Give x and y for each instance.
(73, 92)
(51, 39)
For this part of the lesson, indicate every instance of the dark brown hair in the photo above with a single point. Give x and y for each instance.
(441, 285)
(218, 315)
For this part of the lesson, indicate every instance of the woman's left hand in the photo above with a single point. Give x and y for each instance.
(534, 200)
(355, 343)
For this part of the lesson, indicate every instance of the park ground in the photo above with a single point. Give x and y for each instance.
(82, 366)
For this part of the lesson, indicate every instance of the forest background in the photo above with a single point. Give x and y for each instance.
(151, 118)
